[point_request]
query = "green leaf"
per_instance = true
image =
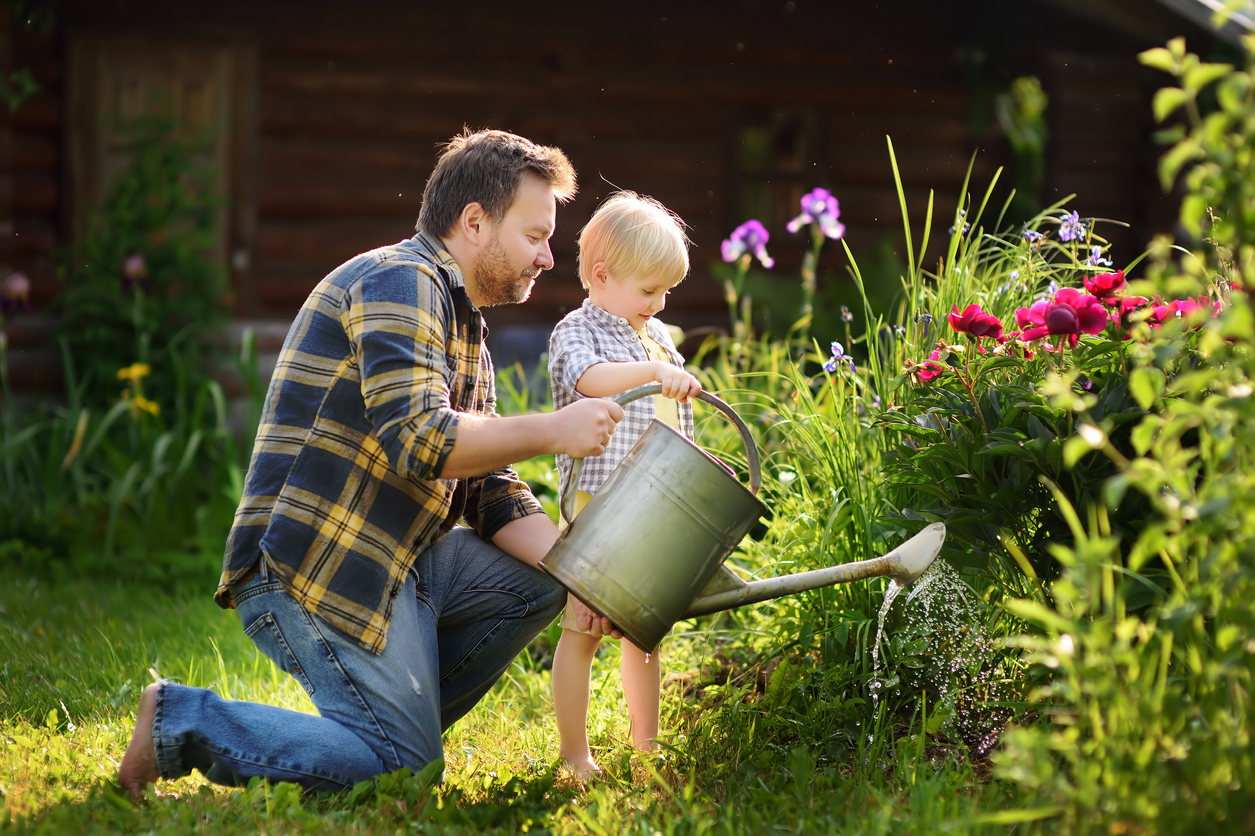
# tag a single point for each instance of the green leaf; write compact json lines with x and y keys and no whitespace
{"x":1177,"y":156}
{"x":1073,"y":449}
{"x":1159,"y":59}
{"x":1147,"y":386}
{"x":1193,"y":208}
{"x":1004,"y":448}
{"x":1168,"y":100}
{"x":1036,"y":613}
{"x":1196,"y":78}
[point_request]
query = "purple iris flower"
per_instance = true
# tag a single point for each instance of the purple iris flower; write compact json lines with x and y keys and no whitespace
{"x":819,"y":207}
{"x":966,"y":225}
{"x":15,"y":293}
{"x":1096,"y":259}
{"x":750,"y":237}
{"x":1070,"y":227}
{"x":838,"y":356}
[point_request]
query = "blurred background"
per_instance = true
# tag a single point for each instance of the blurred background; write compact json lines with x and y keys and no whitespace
{"x":314,"y":125}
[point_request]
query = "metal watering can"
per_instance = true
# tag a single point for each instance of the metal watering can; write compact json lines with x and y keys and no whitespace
{"x":648,"y":548}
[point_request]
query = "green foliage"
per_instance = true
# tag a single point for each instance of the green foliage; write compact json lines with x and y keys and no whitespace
{"x":140,"y":284}
{"x":122,"y":492}
{"x":1150,"y":710}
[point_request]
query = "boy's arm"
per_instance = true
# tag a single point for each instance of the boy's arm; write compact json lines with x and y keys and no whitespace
{"x":606,"y":379}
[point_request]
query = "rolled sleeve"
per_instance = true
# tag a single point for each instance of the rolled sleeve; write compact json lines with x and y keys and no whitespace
{"x":397,"y":332}
{"x":500,"y":497}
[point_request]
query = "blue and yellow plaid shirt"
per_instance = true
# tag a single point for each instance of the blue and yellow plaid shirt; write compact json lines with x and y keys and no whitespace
{"x":362,"y":411}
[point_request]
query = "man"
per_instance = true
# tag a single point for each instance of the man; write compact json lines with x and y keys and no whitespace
{"x":378,"y":434}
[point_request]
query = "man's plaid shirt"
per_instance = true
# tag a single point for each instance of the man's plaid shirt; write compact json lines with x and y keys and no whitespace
{"x":589,"y":335}
{"x":362,"y":411}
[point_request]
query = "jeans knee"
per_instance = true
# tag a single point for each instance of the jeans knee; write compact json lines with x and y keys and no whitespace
{"x":550,"y":603}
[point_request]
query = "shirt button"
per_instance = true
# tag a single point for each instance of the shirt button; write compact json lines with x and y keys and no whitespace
{"x":396,"y":588}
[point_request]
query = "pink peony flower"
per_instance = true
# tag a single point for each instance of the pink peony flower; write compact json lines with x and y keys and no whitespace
{"x":976,"y":322}
{"x":931,"y":368}
{"x":1070,"y":313}
{"x":1105,"y":285}
{"x":1183,"y":308}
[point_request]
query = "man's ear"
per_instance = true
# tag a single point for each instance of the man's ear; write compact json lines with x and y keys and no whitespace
{"x":474,"y":223}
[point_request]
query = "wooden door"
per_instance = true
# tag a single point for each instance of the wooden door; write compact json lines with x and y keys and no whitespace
{"x":204,"y":88}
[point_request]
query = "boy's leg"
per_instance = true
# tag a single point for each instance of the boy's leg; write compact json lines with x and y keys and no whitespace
{"x":572,"y":665}
{"x":642,"y":681}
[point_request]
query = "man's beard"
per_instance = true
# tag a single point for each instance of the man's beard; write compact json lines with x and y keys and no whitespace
{"x":496,"y":280}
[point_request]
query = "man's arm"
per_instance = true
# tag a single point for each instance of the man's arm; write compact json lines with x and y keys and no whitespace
{"x":487,"y":443}
{"x":529,"y":539}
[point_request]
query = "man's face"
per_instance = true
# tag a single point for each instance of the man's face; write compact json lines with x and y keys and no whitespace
{"x":506,"y":267}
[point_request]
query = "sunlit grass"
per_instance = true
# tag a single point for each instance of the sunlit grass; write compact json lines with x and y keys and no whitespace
{"x":83,"y":650}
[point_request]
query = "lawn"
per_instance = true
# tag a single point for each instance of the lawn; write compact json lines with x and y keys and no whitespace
{"x":76,"y":654}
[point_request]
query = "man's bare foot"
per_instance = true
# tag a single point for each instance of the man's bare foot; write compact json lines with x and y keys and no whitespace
{"x":582,"y":769}
{"x":139,"y":764}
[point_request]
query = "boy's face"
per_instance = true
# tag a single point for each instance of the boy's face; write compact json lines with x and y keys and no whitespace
{"x":635,"y":298}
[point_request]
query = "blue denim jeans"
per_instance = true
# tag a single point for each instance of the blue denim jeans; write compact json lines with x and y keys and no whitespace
{"x":461,"y":618}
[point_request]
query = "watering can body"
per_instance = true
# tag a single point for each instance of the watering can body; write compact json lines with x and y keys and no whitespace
{"x":648,"y":548}
{"x":653,"y":535}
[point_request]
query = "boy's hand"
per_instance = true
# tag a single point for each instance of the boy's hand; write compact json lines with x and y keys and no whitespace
{"x":583,"y":429}
{"x":676,"y":382}
{"x":591,"y":622}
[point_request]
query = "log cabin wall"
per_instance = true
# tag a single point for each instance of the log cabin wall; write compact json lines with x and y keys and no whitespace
{"x":721,"y":110}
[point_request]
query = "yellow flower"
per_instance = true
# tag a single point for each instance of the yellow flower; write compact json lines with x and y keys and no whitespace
{"x":134,"y":371}
{"x":139,"y":402}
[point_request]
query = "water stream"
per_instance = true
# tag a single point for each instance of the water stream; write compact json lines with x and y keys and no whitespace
{"x":946,"y":652}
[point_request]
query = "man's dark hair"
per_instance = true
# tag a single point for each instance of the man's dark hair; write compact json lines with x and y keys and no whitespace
{"x":487,"y":167}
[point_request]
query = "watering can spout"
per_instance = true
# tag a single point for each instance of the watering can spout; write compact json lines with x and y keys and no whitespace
{"x":904,"y":565}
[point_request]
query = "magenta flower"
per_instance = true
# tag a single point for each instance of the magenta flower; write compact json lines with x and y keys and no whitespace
{"x":1181,"y":308}
{"x":1105,"y":285}
{"x":15,"y":293}
{"x":976,"y":322}
{"x":750,"y":237}
{"x":1068,"y":314}
{"x":931,"y":368}
{"x":819,"y":207}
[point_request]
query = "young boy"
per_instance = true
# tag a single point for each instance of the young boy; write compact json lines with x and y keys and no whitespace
{"x":631,"y":253}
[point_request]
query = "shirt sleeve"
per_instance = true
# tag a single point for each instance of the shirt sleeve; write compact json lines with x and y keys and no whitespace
{"x":499,"y":497}
{"x":396,"y":320}
{"x":571,"y":351}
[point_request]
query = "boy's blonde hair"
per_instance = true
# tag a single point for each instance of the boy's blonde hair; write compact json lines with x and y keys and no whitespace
{"x":635,"y":236}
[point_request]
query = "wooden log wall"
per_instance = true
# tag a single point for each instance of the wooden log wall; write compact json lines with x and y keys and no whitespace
{"x":348,"y":103}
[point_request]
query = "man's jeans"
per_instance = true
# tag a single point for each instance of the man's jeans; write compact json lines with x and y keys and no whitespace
{"x":473,"y":610}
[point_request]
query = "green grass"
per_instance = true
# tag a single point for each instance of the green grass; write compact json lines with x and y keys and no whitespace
{"x":75,"y":655}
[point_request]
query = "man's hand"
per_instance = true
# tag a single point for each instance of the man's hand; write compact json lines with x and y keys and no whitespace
{"x":589,"y":621}
{"x":676,"y":382}
{"x":583,"y":429}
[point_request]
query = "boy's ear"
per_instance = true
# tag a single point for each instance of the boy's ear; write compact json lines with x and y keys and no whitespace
{"x":600,"y":274}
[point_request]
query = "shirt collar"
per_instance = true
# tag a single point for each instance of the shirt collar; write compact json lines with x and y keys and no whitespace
{"x":431,"y":246}
{"x":608,"y":319}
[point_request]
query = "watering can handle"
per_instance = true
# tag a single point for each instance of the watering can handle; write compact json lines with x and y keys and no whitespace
{"x":624,"y":398}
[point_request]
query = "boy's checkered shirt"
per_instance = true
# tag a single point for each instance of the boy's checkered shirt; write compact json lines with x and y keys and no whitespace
{"x":589,"y":335}
{"x":362,"y":411}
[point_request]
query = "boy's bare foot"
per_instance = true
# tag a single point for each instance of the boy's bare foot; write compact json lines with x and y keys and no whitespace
{"x":582,"y":769}
{"x":139,"y":764}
